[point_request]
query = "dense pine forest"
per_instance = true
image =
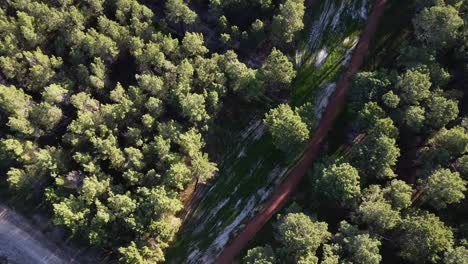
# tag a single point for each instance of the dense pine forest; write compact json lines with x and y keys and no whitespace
{"x":114,"y":114}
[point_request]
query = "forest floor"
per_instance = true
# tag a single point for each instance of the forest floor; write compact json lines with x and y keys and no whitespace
{"x":20,"y":242}
{"x":336,"y":104}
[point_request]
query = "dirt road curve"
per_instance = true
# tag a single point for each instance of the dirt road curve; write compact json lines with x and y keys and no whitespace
{"x":334,"y":107}
{"x":22,"y":244}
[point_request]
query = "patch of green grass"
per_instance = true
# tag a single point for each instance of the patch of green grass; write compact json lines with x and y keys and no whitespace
{"x":310,"y":78}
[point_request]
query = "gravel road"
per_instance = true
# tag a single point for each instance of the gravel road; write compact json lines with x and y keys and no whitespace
{"x":21,"y":243}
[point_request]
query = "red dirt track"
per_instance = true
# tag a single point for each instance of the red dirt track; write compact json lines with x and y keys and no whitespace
{"x":336,"y":104}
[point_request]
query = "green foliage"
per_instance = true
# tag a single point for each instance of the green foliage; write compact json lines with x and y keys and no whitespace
{"x":27,"y":29}
{"x":446,"y":145}
{"x":339,"y":183}
{"x":93,"y":188}
{"x":399,"y":194}
{"x":260,"y":255}
{"x":414,"y":104}
{"x":414,"y":118}
{"x":178,"y":11}
{"x":462,"y":165}
{"x":153,"y":84}
{"x":178,"y":176}
{"x":437,"y":26}
{"x":17,"y":150}
{"x":364,"y":249}
{"x":32,"y":69}
{"x":202,"y":168}
{"x":54,"y":94}
{"x":300,"y":235}
{"x":456,"y":255}
{"x":135,"y":16}
{"x":122,"y":206}
{"x":94,"y":44}
{"x":106,"y":107}
{"x":192,"y":44}
{"x":357,"y":246}
{"x":98,"y":78}
{"x":106,"y":104}
{"x":376,"y":211}
{"x":424,"y":238}
{"x":17,"y":178}
{"x":370,"y":115}
{"x":365,"y":87}
{"x":18,"y":107}
{"x":158,"y":201}
{"x":288,"y":130}
{"x":257,"y":25}
{"x":145,"y":255}
{"x":71,"y":213}
{"x":45,"y":116}
{"x":441,"y":111}
{"x":193,"y":107}
{"x":277,"y":69}
{"x":131,"y":254}
{"x":240,"y":77}
{"x":329,"y":255}
{"x":308,"y":115}
{"x":376,"y":156}
{"x":414,"y":86}
{"x":391,"y":100}
{"x":384,"y":126}
{"x":444,"y":187}
{"x":289,"y":20}
{"x":257,"y":31}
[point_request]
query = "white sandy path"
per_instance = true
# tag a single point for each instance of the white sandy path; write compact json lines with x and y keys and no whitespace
{"x":22,"y":244}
